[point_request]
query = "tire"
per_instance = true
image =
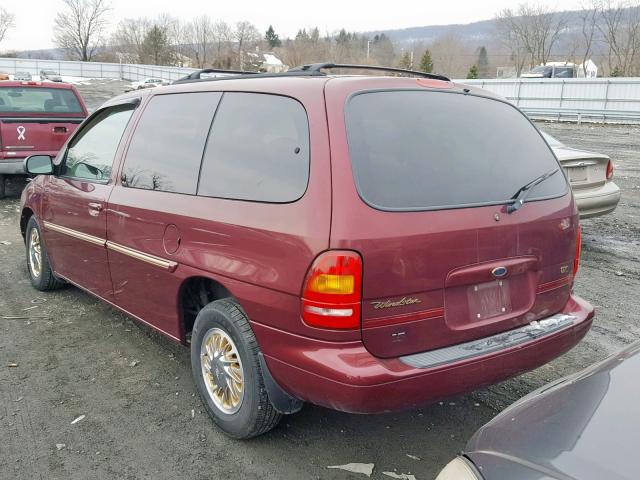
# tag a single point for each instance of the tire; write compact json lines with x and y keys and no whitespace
{"x":254,"y":414}
{"x":42,"y":278}
{"x":3,"y":185}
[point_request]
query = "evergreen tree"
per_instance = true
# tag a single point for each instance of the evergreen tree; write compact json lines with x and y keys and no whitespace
{"x":343,"y":37}
{"x":426,"y":62}
{"x":272,"y":38}
{"x":473,"y":72}
{"x":617,"y":72}
{"x":156,"y":47}
{"x":483,"y":63}
{"x":405,"y":61}
{"x":381,"y":49}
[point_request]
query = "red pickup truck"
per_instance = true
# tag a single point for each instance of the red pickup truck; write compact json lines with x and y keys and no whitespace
{"x":35,"y":118}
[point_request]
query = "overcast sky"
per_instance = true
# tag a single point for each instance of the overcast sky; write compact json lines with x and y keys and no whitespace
{"x":34,"y":18}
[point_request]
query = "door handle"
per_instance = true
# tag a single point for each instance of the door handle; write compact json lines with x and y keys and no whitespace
{"x":95,"y":206}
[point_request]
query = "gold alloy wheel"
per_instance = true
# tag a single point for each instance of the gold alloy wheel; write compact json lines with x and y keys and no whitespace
{"x":35,"y":253}
{"x":222,"y":370}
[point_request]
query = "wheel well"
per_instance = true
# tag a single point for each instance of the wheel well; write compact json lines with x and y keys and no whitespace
{"x":196,"y":292}
{"x":24,"y":219}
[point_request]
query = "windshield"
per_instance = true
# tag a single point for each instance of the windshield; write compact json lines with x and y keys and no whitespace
{"x":426,"y":150}
{"x":563,"y":72}
{"x":38,"y":100}
{"x":543,"y":70}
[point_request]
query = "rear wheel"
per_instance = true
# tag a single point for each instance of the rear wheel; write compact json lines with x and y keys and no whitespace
{"x":3,"y":185}
{"x":226,"y":369}
{"x":40,"y":272}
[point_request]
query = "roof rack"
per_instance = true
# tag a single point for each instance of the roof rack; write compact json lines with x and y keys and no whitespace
{"x":197,"y":74}
{"x":310,"y":70}
{"x":316,"y":68}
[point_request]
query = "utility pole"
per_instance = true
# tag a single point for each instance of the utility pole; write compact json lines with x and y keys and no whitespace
{"x":368,"y":48}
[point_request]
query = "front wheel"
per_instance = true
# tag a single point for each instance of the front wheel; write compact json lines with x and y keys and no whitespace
{"x":226,"y":369}
{"x":40,"y":272}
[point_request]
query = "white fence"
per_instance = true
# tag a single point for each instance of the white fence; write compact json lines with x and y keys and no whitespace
{"x":588,"y":99}
{"x":122,"y":71}
{"x":595,"y":99}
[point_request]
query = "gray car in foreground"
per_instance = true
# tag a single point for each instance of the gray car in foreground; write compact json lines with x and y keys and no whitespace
{"x":590,"y":175}
{"x":585,"y":426}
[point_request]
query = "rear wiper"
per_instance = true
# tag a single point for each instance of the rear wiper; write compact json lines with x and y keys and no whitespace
{"x":523,"y":192}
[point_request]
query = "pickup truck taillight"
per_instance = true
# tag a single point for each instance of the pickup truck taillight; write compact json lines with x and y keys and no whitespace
{"x":331,"y":293}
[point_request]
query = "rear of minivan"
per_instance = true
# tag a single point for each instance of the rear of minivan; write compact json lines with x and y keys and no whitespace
{"x":446,"y":285}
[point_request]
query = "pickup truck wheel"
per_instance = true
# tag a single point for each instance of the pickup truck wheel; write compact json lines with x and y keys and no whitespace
{"x":3,"y":185}
{"x":226,"y":369}
{"x":40,"y":273}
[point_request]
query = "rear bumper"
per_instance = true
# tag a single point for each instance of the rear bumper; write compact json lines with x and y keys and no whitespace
{"x":597,"y":201}
{"x":14,"y":164}
{"x":346,"y":377}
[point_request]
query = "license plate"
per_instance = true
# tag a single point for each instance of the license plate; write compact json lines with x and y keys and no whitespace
{"x":577,"y":174}
{"x":487,"y":300}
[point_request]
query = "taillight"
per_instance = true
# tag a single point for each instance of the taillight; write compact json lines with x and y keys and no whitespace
{"x":576,"y":259}
{"x":331,"y":294}
{"x":609,"y":170}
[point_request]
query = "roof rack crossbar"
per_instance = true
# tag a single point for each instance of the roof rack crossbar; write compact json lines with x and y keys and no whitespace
{"x":197,"y":74}
{"x":316,"y":69}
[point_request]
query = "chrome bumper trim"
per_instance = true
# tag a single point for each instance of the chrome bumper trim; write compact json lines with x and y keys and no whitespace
{"x":143,"y":257}
{"x":492,"y":344}
{"x":75,"y":234}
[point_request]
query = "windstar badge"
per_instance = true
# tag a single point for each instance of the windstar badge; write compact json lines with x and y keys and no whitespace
{"x":398,"y":303}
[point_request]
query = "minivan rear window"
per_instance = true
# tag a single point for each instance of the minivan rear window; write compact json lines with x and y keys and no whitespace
{"x":428,"y":150}
{"x":38,"y":100}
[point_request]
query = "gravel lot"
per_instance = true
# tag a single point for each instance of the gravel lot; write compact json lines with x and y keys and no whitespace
{"x":76,"y":356}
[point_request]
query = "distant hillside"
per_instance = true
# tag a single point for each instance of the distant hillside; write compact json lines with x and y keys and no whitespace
{"x":480,"y":33}
{"x":476,"y":32}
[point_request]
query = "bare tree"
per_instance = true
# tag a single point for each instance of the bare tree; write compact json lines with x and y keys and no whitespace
{"x":6,"y":22}
{"x":155,"y":41}
{"x":80,"y":26}
{"x":530,"y":29}
{"x":588,"y":29}
{"x":199,"y":39}
{"x":129,"y":37}
{"x":222,"y":40}
{"x":620,"y":26}
{"x":246,"y":36}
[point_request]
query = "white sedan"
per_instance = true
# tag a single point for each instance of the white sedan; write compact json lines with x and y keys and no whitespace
{"x":590,"y":175}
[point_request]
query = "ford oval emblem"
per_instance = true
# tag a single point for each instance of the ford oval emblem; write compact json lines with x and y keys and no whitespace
{"x":499,"y":272}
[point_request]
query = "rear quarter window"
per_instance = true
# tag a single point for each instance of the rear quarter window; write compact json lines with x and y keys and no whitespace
{"x":428,"y":150}
{"x":258,"y":149}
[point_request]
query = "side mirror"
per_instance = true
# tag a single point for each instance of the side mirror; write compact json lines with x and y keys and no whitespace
{"x":38,"y":165}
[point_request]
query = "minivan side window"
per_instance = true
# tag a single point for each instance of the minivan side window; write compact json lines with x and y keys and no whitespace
{"x":91,"y":153}
{"x":167,"y":145}
{"x":258,"y":149}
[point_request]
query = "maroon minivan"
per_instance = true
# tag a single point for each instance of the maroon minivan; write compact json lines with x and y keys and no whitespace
{"x":364,"y":243}
{"x":35,"y":118}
